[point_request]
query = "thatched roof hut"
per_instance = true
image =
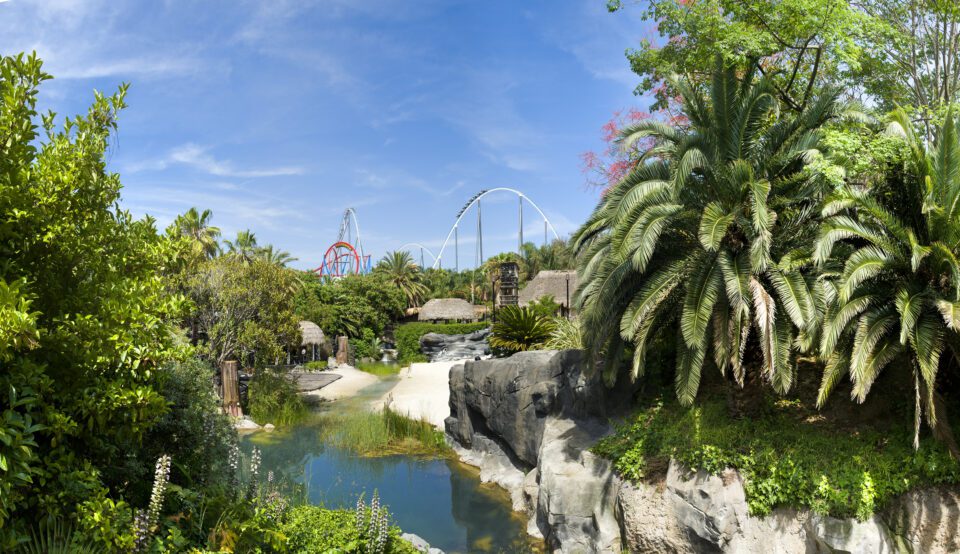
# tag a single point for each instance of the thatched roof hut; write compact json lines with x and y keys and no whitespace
{"x":311,"y":333}
{"x":447,"y":309}
{"x":550,"y":283}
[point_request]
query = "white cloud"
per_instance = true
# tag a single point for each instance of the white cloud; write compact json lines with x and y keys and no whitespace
{"x":196,"y":156}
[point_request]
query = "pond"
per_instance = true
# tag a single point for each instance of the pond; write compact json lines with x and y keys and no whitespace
{"x":441,"y":500}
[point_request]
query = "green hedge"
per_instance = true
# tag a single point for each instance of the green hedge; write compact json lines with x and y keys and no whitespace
{"x":408,"y":337}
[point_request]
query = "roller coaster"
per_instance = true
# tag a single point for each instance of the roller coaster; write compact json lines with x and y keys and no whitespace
{"x":346,"y":256}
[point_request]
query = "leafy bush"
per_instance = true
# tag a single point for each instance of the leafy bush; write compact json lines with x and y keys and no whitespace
{"x":274,"y":398}
{"x":518,"y":329}
{"x":317,"y":365}
{"x":545,"y":306}
{"x":193,"y":432}
{"x":408,"y":335}
{"x":316,"y":529}
{"x":785,"y":459}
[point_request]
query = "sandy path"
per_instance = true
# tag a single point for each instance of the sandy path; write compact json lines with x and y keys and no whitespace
{"x":423,"y":391}
{"x":350,"y":382}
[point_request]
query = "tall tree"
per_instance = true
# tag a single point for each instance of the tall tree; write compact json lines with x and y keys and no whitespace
{"x":400,"y":270}
{"x":698,"y":241}
{"x":196,"y":226}
{"x":274,"y":256}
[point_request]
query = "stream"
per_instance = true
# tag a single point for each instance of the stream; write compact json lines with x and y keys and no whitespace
{"x":441,"y":500}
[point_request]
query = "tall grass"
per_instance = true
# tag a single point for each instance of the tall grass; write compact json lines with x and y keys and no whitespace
{"x":274,"y":398}
{"x":384,"y":433}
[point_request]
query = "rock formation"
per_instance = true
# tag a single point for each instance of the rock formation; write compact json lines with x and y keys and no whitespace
{"x":444,"y":348}
{"x":528,"y":422}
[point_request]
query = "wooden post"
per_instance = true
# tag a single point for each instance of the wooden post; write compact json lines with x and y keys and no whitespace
{"x":231,"y":388}
{"x":343,"y":350}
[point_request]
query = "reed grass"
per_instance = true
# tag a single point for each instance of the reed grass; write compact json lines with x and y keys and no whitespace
{"x":384,"y":433}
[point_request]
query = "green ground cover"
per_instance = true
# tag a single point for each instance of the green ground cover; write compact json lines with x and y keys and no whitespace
{"x":788,"y":457}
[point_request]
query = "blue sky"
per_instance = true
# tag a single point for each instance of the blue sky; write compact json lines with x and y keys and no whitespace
{"x":278,"y":115}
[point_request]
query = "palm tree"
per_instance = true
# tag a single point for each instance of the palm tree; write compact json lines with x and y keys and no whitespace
{"x":244,"y":247}
{"x":276,"y":257}
{"x":196,"y":225}
{"x":896,"y":295}
{"x":400,"y":270}
{"x":698,"y":241}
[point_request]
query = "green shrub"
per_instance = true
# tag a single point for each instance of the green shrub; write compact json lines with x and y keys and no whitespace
{"x":274,"y":398}
{"x":317,"y":365}
{"x":316,"y":529}
{"x":408,"y":335}
{"x":518,"y":329}
{"x":785,"y":460}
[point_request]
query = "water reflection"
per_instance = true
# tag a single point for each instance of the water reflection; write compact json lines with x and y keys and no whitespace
{"x":441,"y":500}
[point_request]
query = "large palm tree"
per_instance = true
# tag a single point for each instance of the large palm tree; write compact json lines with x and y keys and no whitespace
{"x":400,"y":270}
{"x":244,"y":247}
{"x":196,"y":225}
{"x":698,"y":241}
{"x":896,"y":291}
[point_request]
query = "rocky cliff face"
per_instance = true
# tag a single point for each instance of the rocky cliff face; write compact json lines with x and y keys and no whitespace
{"x":528,"y":421}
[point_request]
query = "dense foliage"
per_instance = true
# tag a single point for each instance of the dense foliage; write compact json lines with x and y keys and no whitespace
{"x":700,"y":240}
{"x":244,"y":308}
{"x":398,"y":269}
{"x":83,"y":316}
{"x":359,"y":306}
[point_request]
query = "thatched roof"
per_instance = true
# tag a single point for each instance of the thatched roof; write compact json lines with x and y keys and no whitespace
{"x":311,"y":333}
{"x":550,"y":283}
{"x":446,"y":309}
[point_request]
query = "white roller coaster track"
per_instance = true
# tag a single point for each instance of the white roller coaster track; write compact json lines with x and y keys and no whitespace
{"x":463,"y":212}
{"x":420,"y":246}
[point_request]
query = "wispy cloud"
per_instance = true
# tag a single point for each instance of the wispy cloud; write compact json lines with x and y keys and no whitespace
{"x":197,"y":157}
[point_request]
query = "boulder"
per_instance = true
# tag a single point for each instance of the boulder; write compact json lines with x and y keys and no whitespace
{"x":444,"y":348}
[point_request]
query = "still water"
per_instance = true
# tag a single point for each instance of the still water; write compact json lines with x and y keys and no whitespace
{"x":441,"y":500}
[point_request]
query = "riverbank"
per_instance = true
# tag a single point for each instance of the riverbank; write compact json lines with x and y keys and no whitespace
{"x":350,"y":383}
{"x":433,"y":496}
{"x":422,"y":392}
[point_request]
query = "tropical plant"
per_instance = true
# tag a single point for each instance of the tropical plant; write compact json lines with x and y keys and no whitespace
{"x":518,"y":329}
{"x":204,"y":237}
{"x":244,"y":247}
{"x":897,"y":294}
{"x":274,"y":256}
{"x":400,"y":270}
{"x":566,"y":335}
{"x":699,"y":239}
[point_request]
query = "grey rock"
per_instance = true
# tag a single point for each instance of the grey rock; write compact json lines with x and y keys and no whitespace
{"x":444,"y":348}
{"x":416,"y":541}
{"x":528,"y":422}
{"x":577,"y":491}
{"x":246,"y":424}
